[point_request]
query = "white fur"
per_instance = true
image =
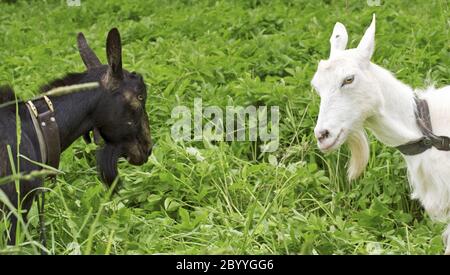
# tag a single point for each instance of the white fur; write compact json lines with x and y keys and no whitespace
{"x":378,"y":101}
{"x":359,"y":149}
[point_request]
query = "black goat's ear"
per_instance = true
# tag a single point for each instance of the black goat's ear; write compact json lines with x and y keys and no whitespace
{"x":6,"y":94}
{"x":114,"y":55}
{"x":88,"y":56}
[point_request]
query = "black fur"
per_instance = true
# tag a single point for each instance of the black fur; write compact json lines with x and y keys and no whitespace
{"x":6,"y":94}
{"x":107,"y":158}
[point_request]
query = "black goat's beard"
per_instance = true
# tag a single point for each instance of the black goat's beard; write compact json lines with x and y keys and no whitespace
{"x":107,"y":158}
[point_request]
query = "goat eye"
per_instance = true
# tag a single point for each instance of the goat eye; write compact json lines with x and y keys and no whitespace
{"x":348,"y":80}
{"x":140,"y":97}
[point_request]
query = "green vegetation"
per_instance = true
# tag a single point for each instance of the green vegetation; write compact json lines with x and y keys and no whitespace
{"x":293,"y":201}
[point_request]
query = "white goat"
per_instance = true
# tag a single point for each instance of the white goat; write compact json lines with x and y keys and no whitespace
{"x":356,"y":93}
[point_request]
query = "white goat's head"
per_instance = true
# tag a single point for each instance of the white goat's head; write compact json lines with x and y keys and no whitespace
{"x":349,"y":95}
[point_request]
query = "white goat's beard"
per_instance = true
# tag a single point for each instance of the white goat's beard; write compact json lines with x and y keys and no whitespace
{"x":359,"y":149}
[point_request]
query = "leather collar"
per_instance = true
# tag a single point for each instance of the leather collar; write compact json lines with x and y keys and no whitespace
{"x":423,"y":120}
{"x":47,"y":132}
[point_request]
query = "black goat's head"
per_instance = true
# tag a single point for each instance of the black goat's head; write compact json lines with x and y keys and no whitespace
{"x":121,"y":118}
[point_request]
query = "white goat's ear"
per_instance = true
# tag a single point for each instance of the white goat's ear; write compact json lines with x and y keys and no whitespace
{"x":338,"y":39}
{"x":367,"y":44}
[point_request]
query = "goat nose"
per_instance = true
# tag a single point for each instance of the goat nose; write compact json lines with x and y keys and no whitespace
{"x":321,"y":134}
{"x":150,"y":150}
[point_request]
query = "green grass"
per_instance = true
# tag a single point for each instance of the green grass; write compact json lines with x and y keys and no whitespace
{"x":293,"y":201}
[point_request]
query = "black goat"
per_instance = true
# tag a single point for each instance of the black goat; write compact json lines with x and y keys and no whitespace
{"x":115,"y":110}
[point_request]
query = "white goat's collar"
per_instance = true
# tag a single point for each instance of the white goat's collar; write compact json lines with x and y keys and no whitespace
{"x":429,"y":139}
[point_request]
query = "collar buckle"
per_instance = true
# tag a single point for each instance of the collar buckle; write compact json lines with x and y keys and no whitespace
{"x":49,"y":103}
{"x":427,"y":141}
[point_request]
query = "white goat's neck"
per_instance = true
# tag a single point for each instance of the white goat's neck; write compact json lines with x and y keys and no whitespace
{"x":394,"y":123}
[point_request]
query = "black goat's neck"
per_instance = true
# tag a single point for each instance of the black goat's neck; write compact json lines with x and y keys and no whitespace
{"x":74,"y":114}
